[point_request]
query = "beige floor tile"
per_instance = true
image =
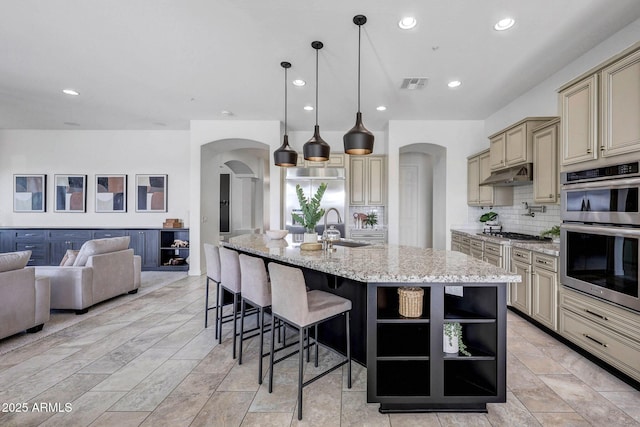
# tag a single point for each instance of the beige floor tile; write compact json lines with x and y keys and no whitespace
{"x":540,"y":364}
{"x":414,"y":420}
{"x":628,"y":401}
{"x":284,"y":395}
{"x":120,"y":419}
{"x":86,"y":409}
{"x":357,"y":412}
{"x":321,"y":403}
{"x":511,"y":413}
{"x":519,"y":377}
{"x":557,"y":419}
{"x":460,"y":419}
{"x":267,"y":420}
{"x":224,"y":409}
{"x":542,"y":399}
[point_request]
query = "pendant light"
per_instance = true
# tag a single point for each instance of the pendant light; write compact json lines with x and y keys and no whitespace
{"x":358,"y":140}
{"x":316,"y":149}
{"x":285,"y":156}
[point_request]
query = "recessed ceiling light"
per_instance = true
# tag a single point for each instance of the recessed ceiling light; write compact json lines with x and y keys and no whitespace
{"x":71,"y":92}
{"x":72,"y":124}
{"x":381,"y":108}
{"x":454,"y":83}
{"x":299,"y":82}
{"x":308,"y":108}
{"x":407,"y":23}
{"x":504,"y":24}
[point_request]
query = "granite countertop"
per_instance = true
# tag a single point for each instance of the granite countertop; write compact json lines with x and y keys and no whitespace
{"x":545,"y":248}
{"x":378,"y":263}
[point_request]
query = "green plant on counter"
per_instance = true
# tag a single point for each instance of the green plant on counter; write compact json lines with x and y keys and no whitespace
{"x":552,"y":232}
{"x":453,"y":330}
{"x":371,"y":219}
{"x":311,"y":211}
{"x":489,"y":216}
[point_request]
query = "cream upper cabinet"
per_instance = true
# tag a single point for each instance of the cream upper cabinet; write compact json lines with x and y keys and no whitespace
{"x":579,"y":112}
{"x":600,"y":113}
{"x":336,"y":160}
{"x":496,"y":148}
{"x":621,"y":106}
{"x":514,"y":146}
{"x":479,"y":169}
{"x":545,"y":163}
{"x":367,"y":180}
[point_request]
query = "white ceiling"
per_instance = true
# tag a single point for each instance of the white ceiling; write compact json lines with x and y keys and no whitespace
{"x":156,"y":64}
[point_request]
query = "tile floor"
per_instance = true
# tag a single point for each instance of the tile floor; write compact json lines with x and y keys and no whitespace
{"x":150,"y":362}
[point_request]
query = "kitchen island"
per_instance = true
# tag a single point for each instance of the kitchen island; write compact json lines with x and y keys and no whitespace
{"x":407,"y":369}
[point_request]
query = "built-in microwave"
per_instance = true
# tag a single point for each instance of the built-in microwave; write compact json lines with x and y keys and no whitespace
{"x":593,"y":197}
{"x":601,"y":261}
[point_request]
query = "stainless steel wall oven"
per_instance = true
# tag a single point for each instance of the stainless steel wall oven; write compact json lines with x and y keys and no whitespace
{"x":600,"y":233}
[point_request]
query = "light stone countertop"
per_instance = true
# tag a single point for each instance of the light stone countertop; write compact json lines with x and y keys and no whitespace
{"x":545,"y":248}
{"x":378,"y":263}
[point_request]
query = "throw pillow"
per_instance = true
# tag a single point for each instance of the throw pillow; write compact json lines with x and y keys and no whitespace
{"x":14,"y":260}
{"x":69,"y":258}
{"x":100,"y":246}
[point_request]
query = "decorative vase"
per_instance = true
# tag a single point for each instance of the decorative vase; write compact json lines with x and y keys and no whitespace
{"x":310,"y":237}
{"x":450,"y":345}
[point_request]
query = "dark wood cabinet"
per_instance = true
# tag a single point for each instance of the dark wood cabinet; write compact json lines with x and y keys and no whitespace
{"x":48,"y":246}
{"x":407,"y":367}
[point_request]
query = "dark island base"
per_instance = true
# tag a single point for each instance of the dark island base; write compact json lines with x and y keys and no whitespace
{"x":391,"y":408}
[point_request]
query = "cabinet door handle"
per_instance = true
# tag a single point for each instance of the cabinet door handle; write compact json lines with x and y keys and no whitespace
{"x":29,"y":246}
{"x":543,"y":262}
{"x":550,"y":196}
{"x":596,"y":314}
{"x":595,"y":340}
{"x":602,"y":148}
{"x":588,"y":150}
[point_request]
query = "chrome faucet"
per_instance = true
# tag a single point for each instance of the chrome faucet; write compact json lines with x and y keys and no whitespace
{"x":327,"y":244}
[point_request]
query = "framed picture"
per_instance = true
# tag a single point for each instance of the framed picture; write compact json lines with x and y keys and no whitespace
{"x":29,"y":193}
{"x":111,"y":193}
{"x":151,"y":193}
{"x":70,"y":193}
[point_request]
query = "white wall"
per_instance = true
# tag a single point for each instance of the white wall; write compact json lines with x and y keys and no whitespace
{"x":460,"y":139}
{"x":90,"y":153}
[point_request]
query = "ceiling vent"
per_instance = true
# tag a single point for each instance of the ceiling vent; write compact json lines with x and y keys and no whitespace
{"x":413,"y":83}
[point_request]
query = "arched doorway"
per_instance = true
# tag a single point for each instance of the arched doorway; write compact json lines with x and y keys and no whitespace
{"x":422,"y":198}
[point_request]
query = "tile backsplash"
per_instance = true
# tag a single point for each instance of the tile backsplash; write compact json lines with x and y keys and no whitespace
{"x":513,"y":219}
{"x":378,"y":210}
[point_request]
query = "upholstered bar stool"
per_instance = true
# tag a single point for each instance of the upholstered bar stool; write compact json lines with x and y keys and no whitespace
{"x":230,"y":282}
{"x":256,"y":291}
{"x":291,"y":303}
{"x":212,"y":257}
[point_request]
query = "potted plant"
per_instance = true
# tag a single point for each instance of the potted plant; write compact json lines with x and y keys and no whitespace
{"x":311,"y":212}
{"x":371,"y":219}
{"x":553,"y":232}
{"x":452,"y":339}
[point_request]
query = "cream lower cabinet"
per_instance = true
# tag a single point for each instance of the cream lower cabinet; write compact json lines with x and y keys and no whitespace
{"x":544,"y":290}
{"x":520,"y":293}
{"x":545,"y":163}
{"x":607,"y":331}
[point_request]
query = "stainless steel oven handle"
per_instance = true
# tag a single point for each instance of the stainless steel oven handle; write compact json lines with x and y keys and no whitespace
{"x":608,"y":231}
{"x":604,"y":184}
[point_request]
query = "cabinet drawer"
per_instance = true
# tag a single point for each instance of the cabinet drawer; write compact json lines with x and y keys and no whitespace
{"x":607,"y":315}
{"x":30,"y":235}
{"x":547,"y":262}
{"x":494,"y":249}
{"x":618,"y":350}
{"x":476,"y":244}
{"x":521,"y":255}
{"x":104,"y":234}
{"x":455,"y":237}
{"x":70,"y":234}
{"x":34,"y":247}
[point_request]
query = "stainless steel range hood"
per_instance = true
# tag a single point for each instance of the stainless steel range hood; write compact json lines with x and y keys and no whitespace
{"x":517,"y":175}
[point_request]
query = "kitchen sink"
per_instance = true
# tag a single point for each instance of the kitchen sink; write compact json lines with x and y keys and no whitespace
{"x":350,"y":244}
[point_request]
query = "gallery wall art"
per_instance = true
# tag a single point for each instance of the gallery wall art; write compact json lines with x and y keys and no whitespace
{"x":111,"y":193}
{"x":29,"y":193}
{"x":151,"y":193}
{"x":70,"y":193}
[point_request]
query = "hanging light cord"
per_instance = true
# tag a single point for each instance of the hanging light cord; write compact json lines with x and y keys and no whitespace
{"x":285,"y":101}
{"x":359,"y":31}
{"x":317,"y":87}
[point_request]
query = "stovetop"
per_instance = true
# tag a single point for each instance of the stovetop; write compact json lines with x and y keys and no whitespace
{"x":518,"y":236}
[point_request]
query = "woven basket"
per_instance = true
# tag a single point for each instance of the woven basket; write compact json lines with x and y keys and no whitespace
{"x":410,"y":301}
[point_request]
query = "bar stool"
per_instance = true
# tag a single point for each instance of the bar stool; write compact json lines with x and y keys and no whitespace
{"x":230,"y":282}
{"x":256,"y":291}
{"x":212,"y":257}
{"x":292,"y":304}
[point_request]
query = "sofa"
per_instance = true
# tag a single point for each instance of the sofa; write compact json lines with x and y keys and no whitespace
{"x":100,"y":270}
{"x":24,"y":298}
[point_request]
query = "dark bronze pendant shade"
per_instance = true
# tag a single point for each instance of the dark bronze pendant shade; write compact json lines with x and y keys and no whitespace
{"x":316,"y":149}
{"x":285,"y":156}
{"x":358,"y":141}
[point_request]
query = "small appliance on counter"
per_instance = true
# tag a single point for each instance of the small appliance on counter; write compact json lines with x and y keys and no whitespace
{"x":490,"y":223}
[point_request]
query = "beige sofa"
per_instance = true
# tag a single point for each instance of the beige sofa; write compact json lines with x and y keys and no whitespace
{"x":102,"y":269}
{"x":24,"y":298}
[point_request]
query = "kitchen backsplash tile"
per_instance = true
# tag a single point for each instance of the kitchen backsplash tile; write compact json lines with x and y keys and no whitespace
{"x":379,"y":210}
{"x":513,"y":219}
